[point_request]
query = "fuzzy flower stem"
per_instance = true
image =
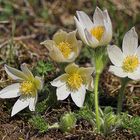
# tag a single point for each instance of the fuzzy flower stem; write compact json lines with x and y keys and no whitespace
{"x":121,"y":95}
{"x":96,"y":101}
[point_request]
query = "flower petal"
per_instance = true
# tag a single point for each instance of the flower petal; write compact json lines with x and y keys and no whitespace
{"x":107,"y":18}
{"x":54,"y":52}
{"x":14,"y":73}
{"x":75,"y":45}
{"x":33,"y":101}
{"x":59,"y":81}
{"x":11,"y":91}
{"x":79,"y":96}
{"x":62,"y":92}
{"x":107,"y":35}
{"x":90,"y":84}
{"x":20,"y":104}
{"x":115,"y":54}
{"x":81,"y":32}
{"x":84,"y":20}
{"x":130,"y":42}
{"x":92,"y":41}
{"x":98,"y":16}
{"x":39,"y":82}
{"x":86,"y":71}
{"x":71,"y":37}
{"x":26,"y":71}
{"x":86,"y":74}
{"x":138,"y":52}
{"x":60,"y":36}
{"x":135,"y":75}
{"x":49,"y":44}
{"x":71,"y":68}
{"x":117,"y":71}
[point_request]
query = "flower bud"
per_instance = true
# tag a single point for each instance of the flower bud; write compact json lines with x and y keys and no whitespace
{"x":67,"y":122}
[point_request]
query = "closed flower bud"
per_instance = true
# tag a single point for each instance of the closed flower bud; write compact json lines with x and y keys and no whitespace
{"x":67,"y":122}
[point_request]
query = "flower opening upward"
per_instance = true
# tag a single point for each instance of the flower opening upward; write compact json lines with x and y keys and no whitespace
{"x":74,"y":82}
{"x":26,"y":87}
{"x":64,"y":47}
{"x":96,"y":33}
{"x":126,"y":62}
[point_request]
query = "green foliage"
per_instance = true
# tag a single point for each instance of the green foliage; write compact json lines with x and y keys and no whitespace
{"x":39,"y":123}
{"x":67,"y":122}
{"x":48,"y":101}
{"x":87,"y":114}
{"x":41,"y":106}
{"x":43,"y":68}
{"x":108,"y":120}
{"x":44,"y":13}
{"x":132,"y":123}
{"x":7,"y":10}
{"x":89,"y":100}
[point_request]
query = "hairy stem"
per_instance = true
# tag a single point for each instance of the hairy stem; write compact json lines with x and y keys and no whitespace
{"x":96,"y":101}
{"x":121,"y":95}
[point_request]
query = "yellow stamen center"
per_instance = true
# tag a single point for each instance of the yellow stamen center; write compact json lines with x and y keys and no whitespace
{"x":74,"y":81}
{"x":65,"y":48}
{"x":97,"y":32}
{"x":27,"y":88}
{"x":130,"y":63}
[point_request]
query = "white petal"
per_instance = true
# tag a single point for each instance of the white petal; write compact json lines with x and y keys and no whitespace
{"x":81,"y":32}
{"x":72,"y":57}
{"x":130,"y":42}
{"x":59,"y":81}
{"x":138,"y":52}
{"x":117,"y":71}
{"x":62,"y":92}
{"x":84,"y":20}
{"x":98,"y":16}
{"x":11,"y":91}
{"x":107,"y":18}
{"x":26,"y":71}
{"x":79,"y":96}
{"x":14,"y":73}
{"x":20,"y":104}
{"x":135,"y":75}
{"x":107,"y":35}
{"x":40,"y":82}
{"x":71,"y":68}
{"x":115,"y":54}
{"x":33,"y":101}
{"x":92,"y":41}
{"x":90,"y":84}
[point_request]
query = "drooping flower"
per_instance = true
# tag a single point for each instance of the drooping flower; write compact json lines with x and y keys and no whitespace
{"x":64,"y":47}
{"x":26,"y":87}
{"x":74,"y":82}
{"x":96,"y":33}
{"x":126,"y":62}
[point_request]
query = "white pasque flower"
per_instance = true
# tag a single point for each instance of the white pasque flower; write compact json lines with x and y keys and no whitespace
{"x":126,"y":62}
{"x":64,"y":47}
{"x":96,"y":33}
{"x":26,"y":87}
{"x":74,"y":82}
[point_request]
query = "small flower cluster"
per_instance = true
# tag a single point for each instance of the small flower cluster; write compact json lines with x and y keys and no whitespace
{"x":64,"y":47}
